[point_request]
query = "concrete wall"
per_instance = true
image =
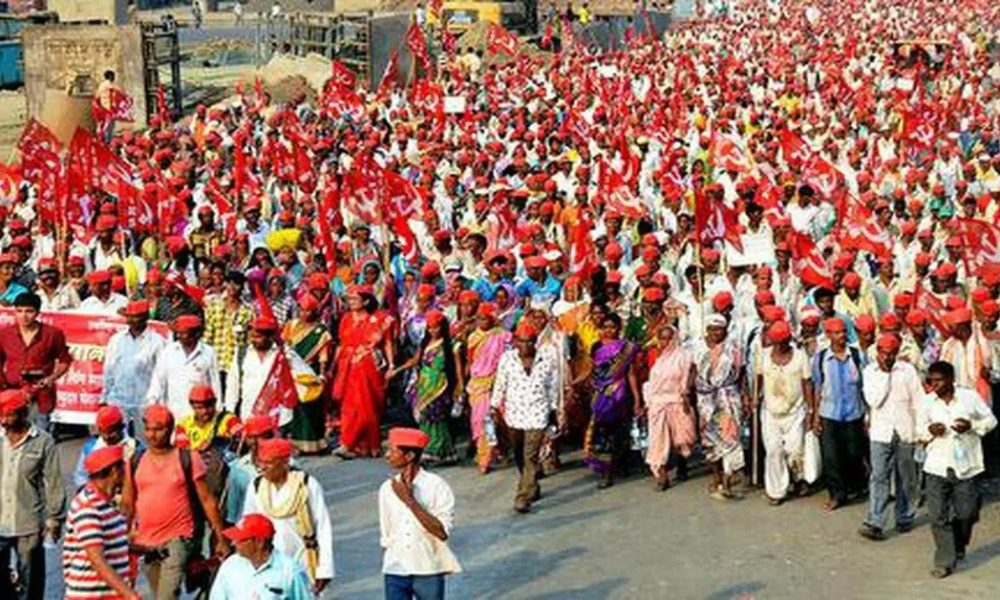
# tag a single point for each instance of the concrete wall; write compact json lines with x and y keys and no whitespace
{"x":110,"y":11}
{"x":56,"y":56}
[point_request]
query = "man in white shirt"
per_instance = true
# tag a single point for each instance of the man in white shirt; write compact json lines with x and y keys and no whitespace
{"x":952,"y":421}
{"x":181,"y":365}
{"x":892,"y":390}
{"x":524,"y":396}
{"x":129,"y":360}
{"x":416,"y":511}
{"x":294,"y":502}
{"x":251,"y":366}
{"x":55,"y":295}
{"x":102,"y":301}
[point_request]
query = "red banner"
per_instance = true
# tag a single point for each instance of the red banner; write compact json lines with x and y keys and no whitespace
{"x":78,"y":392}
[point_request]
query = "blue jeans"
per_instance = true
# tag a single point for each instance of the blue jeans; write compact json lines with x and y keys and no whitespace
{"x":894,"y":459}
{"x":414,"y":587}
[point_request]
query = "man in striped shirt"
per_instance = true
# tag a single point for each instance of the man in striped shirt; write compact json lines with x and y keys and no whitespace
{"x":95,"y":554}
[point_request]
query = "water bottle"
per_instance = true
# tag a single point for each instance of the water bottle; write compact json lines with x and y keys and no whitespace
{"x":961,"y":456}
{"x":490,"y":431}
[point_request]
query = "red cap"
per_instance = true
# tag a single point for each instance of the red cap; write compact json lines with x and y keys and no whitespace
{"x":945,"y":270}
{"x":772,"y":313}
{"x":888,"y":341}
{"x":889,"y":321}
{"x":187,"y":323}
{"x":308,"y":302}
{"x":487,"y":309}
{"x":430,"y":269}
{"x":653,"y":294}
{"x":434,"y":318}
{"x":903,"y":300}
{"x":779,"y":331}
{"x":408,"y":437}
{"x":274,"y":448}
{"x":526,"y":329}
{"x":980,"y":294}
{"x":252,"y":527}
{"x":990,"y":308}
{"x":109,"y":417}
{"x":468,"y":296}
{"x":102,"y":458}
{"x":136,"y":308}
{"x":613,"y":277}
{"x":258,"y":425}
{"x":614,"y":251}
{"x":865,"y":323}
{"x":96,"y":277}
{"x":722,"y":301}
{"x":157,"y":414}
{"x":535,"y":262}
{"x":426,"y":290}
{"x":834,"y":324}
{"x":810,"y":316}
{"x":47,"y":264}
{"x":175,"y":244}
{"x":923,"y":259}
{"x":264,"y":323}
{"x":11,"y":400}
{"x":852,"y":281}
{"x":764,"y":297}
{"x":201,"y":393}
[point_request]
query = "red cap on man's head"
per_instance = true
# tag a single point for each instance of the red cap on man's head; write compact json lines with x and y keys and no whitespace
{"x":958,"y":316}
{"x":102,"y":458}
{"x":157,"y":414}
{"x":254,"y":526}
{"x":865,"y":323}
{"x":186,"y":323}
{"x":258,"y":425}
{"x":889,"y":321}
{"x":109,"y":417}
{"x":408,"y":437}
{"x":852,"y":281}
{"x":136,"y":308}
{"x":276,"y":448}
{"x":916,"y":317}
{"x":11,"y":400}
{"x":98,"y":277}
{"x":779,"y":331}
{"x":888,"y":341}
{"x":834,"y":324}
{"x":722,"y":301}
{"x":772,"y":313}
{"x":264,"y":323}
{"x":903,"y":300}
{"x":201,"y":393}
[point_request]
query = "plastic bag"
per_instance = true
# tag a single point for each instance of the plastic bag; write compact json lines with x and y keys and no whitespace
{"x":813,"y":460}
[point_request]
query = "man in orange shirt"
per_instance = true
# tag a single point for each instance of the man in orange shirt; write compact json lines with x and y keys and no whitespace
{"x":169,"y":501}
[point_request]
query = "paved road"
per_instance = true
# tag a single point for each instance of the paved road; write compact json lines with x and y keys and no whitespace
{"x":632,"y":542}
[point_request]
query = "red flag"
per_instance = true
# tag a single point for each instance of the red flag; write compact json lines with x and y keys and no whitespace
{"x":617,"y":194}
{"x":630,"y":162}
{"x":583,"y":253}
{"x":389,"y":76}
{"x":279,"y":390}
{"x":417,"y":44}
{"x":339,"y":101}
{"x":501,"y":41}
{"x":120,"y":108}
{"x":768,"y":194}
{"x":449,"y":42}
{"x":362,"y":190}
{"x":794,"y":149}
{"x":546,"y":42}
{"x":932,"y":306}
{"x":728,"y":155}
{"x":304,"y":174}
{"x":343,"y":76}
{"x":823,"y":176}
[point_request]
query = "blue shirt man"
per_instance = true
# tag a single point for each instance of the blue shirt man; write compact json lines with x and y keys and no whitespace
{"x":257,"y":570}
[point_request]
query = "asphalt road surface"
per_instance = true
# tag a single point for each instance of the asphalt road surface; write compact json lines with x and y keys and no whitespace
{"x":632,"y":542}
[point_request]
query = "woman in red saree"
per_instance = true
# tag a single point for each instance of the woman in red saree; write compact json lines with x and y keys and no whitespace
{"x":364,"y":355}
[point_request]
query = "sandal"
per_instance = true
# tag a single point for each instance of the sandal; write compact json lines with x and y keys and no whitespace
{"x":831,"y":505}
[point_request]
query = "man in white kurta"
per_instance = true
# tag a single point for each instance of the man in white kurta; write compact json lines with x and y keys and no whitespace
{"x":294,"y":502}
{"x":181,"y":365}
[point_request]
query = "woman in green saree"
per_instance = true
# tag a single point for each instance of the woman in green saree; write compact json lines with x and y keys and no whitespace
{"x":311,"y":340}
{"x":438,"y":380}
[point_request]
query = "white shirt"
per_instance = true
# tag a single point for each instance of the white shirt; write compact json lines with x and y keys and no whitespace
{"x":110,"y":307}
{"x":892,"y":398}
{"x":255,"y":371}
{"x":409,"y":548}
{"x":963,"y":452}
{"x":286,"y":538}
{"x":176,"y":372}
{"x":129,"y":362}
{"x":64,"y":298}
{"x":527,"y":399}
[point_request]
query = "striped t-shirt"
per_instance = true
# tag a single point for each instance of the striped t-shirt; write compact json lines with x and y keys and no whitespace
{"x":93,"y":520}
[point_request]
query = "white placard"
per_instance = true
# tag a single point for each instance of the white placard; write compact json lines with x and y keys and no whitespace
{"x":454,"y":105}
{"x":607,"y":71}
{"x":758,"y":249}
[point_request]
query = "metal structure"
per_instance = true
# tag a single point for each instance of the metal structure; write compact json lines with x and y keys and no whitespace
{"x":361,"y":41}
{"x":160,"y":46}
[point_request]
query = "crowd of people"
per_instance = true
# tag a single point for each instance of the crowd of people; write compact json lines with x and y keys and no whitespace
{"x":766,"y":239}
